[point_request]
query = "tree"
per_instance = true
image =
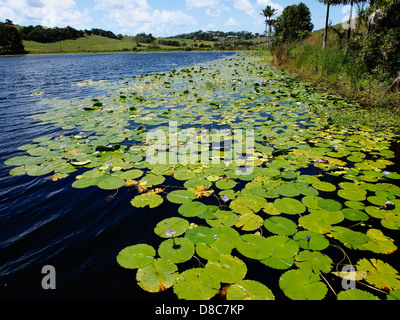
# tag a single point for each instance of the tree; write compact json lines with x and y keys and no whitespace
{"x":328,"y":4}
{"x":294,"y":23}
{"x":10,"y":39}
{"x":268,"y":13}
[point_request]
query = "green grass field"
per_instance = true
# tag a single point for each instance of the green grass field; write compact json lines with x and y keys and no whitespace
{"x":92,"y":44}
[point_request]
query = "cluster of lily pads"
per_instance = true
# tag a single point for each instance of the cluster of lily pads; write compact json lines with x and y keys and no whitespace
{"x":314,"y":183}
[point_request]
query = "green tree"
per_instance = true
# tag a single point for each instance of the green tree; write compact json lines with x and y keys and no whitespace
{"x":268,"y":13}
{"x":294,"y":23}
{"x":10,"y":39}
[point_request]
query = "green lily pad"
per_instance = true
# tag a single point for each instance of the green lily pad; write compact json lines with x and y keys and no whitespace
{"x":176,"y":250}
{"x":302,"y":284}
{"x":214,"y":250}
{"x":280,"y":225}
{"x":158,"y":276}
{"x":254,"y":246}
{"x":192,"y":209}
{"x":171,"y":227}
{"x":249,"y":221}
{"x":354,"y":215}
{"x":356,"y":294}
{"x":136,"y":256}
{"x":248,"y":203}
{"x":201,"y":234}
{"x":311,"y":240}
{"x":147,"y":199}
{"x":195,"y":284}
{"x":314,"y":261}
{"x":225,"y":184}
{"x":324,"y":186}
{"x":280,"y":264}
{"x":249,"y":290}
{"x":227,"y":269}
{"x":181,"y":196}
{"x":380,"y":274}
{"x":289,"y":205}
{"x":351,"y":239}
{"x":131,"y":174}
{"x":330,"y":204}
{"x":282,"y":247}
{"x":110,"y":182}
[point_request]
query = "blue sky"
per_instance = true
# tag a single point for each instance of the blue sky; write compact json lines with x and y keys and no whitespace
{"x":159,"y":17}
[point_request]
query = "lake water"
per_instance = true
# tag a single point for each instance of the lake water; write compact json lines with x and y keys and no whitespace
{"x":44,"y":223}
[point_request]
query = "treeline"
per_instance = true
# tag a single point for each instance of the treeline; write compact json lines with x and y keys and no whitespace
{"x":48,"y":35}
{"x":216,"y":35}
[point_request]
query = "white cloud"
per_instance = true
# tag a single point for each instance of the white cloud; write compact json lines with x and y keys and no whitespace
{"x":265,"y":3}
{"x":202,"y":3}
{"x":135,"y":16}
{"x":231,"y":22}
{"x":48,"y":13}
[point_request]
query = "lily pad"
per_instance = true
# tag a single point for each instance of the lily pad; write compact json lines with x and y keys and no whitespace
{"x":225,"y":184}
{"x":356,"y":294}
{"x":201,"y":234}
{"x":282,"y":247}
{"x":281,"y":226}
{"x":181,"y":196}
{"x":176,"y":250}
{"x":380,"y":274}
{"x":314,"y":261}
{"x":302,"y":284}
{"x":110,"y":182}
{"x":249,"y":290}
{"x":227,"y":269}
{"x":192,"y":209}
{"x":254,"y":246}
{"x":158,"y":276}
{"x":136,"y":256}
{"x":171,"y":227}
{"x":147,"y":199}
{"x":195,"y":284}
{"x":289,"y":205}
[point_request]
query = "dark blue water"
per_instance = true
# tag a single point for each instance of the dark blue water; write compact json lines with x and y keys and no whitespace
{"x":49,"y":223}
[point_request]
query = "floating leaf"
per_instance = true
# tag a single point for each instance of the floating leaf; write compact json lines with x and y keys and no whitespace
{"x":225,"y":184}
{"x":356,"y":294}
{"x":289,"y":205}
{"x":351,"y":239}
{"x":302,"y":284}
{"x":176,"y":250}
{"x":380,"y":274}
{"x":314,"y":261}
{"x":195,"y":284}
{"x":254,"y":246}
{"x":201,"y":234}
{"x":330,"y":204}
{"x":324,"y":186}
{"x":214,"y":250}
{"x":147,"y":199}
{"x":379,"y":243}
{"x":249,"y":222}
{"x":280,"y":225}
{"x":248,"y":203}
{"x":280,"y":264}
{"x":110,"y":182}
{"x":227,"y":269}
{"x":192,"y":209}
{"x":354,"y":215}
{"x":310,"y":240}
{"x":158,"y":276}
{"x":178,"y":225}
{"x":249,"y":290}
{"x":136,"y":256}
{"x":181,"y":196}
{"x":282,"y":247}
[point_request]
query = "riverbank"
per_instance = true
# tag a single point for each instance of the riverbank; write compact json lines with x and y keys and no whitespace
{"x":98,"y":44}
{"x":337,"y":71}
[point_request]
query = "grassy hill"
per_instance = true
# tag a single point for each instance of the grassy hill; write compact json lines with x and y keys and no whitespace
{"x":92,"y":44}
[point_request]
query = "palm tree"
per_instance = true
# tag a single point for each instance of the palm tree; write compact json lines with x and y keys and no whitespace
{"x":328,"y":4}
{"x":268,"y":13}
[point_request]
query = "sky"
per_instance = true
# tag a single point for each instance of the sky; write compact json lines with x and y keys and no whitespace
{"x":161,"y":18}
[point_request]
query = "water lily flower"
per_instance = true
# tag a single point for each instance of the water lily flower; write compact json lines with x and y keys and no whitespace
{"x":225,"y":198}
{"x":386,"y":173}
{"x":63,"y":146}
{"x":96,"y":152}
{"x":57,"y":138}
{"x":335,"y":146}
{"x":170,"y":233}
{"x":108,"y":164}
{"x":319,"y":160}
{"x":308,"y":238}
